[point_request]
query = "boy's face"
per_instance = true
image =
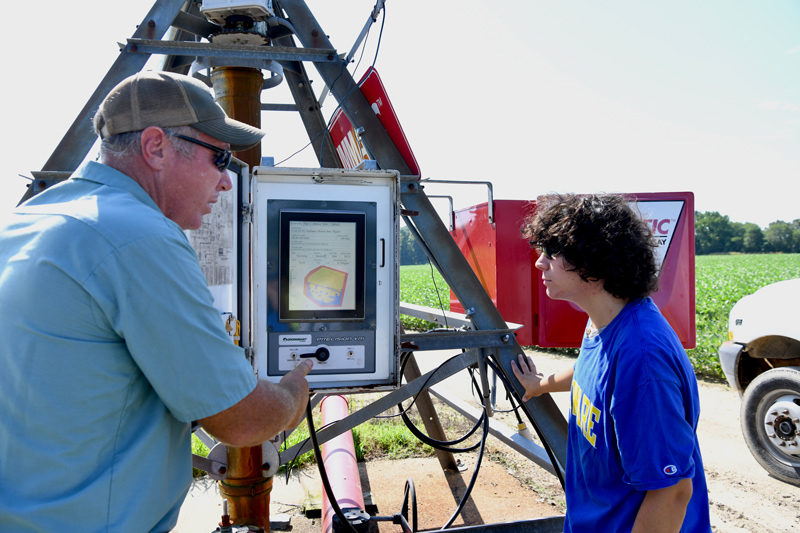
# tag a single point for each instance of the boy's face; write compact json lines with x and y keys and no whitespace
{"x":562,"y":282}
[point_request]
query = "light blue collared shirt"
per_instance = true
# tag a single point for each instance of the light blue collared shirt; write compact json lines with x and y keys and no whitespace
{"x":109,"y":347}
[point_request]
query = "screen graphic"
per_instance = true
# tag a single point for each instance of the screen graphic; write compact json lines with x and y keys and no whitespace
{"x":322,"y":257}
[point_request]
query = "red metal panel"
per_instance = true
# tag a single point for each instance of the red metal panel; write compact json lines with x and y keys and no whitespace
{"x":476,"y":239}
{"x":503,"y":261}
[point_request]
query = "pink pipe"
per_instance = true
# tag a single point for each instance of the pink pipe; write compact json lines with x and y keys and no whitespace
{"x":339,"y":458}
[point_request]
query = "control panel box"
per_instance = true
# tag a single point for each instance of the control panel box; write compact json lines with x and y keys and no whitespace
{"x":324,"y":272}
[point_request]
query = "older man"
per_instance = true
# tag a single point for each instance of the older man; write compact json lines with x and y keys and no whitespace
{"x":109,"y":343}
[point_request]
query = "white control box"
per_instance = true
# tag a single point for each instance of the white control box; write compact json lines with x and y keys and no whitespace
{"x":325,"y":276}
{"x":218,"y":11}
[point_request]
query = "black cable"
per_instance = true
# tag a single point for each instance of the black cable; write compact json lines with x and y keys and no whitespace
{"x":349,"y":92}
{"x":433,"y":443}
{"x":439,"y":296}
{"x":484,"y":421}
{"x":297,"y":454}
{"x":440,"y":445}
{"x":410,"y":497}
{"x":536,"y":428}
{"x":405,"y":356}
{"x":474,"y":474}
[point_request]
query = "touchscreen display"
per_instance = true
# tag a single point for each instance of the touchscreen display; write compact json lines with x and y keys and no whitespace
{"x":322,"y":265}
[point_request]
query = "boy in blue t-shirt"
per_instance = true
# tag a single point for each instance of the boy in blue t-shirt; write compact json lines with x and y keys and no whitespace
{"x":633,"y":459}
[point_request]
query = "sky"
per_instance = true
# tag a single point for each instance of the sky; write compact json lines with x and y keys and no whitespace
{"x":535,"y":96}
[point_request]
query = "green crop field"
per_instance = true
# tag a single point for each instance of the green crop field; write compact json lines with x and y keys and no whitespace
{"x":720,"y":280}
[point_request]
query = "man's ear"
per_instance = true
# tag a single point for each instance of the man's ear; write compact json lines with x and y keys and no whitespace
{"x":154,"y":147}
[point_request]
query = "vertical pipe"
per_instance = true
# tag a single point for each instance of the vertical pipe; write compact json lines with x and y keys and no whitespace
{"x":339,"y":460}
{"x":238,"y":91}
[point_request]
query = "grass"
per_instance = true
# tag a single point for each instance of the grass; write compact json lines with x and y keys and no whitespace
{"x":198,"y":448}
{"x":377,"y":438}
{"x":423,"y":285}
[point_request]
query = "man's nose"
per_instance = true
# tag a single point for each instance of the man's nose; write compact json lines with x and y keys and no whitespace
{"x":225,"y":183}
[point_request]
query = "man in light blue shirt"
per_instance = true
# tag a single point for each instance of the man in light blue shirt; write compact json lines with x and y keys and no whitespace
{"x":109,"y":342}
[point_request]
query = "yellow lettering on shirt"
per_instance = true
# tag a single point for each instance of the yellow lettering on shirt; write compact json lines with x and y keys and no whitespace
{"x":586,"y":414}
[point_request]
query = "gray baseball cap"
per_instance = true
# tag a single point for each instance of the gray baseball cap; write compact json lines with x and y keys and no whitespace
{"x":168,"y":100}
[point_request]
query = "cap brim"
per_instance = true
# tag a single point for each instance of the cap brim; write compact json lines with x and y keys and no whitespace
{"x":239,"y":135}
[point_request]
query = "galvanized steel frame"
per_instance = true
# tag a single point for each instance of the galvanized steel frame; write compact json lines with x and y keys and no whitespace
{"x":490,"y":330}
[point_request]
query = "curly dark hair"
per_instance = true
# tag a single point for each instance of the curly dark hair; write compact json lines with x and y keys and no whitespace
{"x":601,"y":236}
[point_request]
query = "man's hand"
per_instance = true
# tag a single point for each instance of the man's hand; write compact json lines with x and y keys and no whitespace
{"x":265,"y":412}
{"x":295,"y":383}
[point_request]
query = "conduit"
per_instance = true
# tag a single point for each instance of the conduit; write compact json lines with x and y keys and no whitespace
{"x":339,"y":460}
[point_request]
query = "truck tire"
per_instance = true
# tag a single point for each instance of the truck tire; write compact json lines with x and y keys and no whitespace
{"x":771,"y":422}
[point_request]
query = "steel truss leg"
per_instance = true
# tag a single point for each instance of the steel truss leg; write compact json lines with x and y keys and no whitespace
{"x":541,"y":411}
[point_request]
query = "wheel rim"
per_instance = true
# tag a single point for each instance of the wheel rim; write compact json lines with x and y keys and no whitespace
{"x":780,"y":413}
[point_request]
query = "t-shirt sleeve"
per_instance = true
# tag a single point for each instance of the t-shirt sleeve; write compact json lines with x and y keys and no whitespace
{"x":154,"y":295}
{"x":655,"y":440}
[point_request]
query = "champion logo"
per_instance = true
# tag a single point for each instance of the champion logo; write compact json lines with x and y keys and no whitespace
{"x":670,"y":470}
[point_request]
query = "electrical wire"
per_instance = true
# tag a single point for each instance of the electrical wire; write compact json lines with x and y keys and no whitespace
{"x":439,"y":296}
{"x":297,"y":454}
{"x":472,"y":480}
{"x":443,"y":445}
{"x":440,"y":445}
{"x":536,"y":428}
{"x":405,"y":356}
{"x":349,"y":92}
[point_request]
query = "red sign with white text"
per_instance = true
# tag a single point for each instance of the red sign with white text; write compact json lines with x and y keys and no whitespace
{"x":349,"y":147}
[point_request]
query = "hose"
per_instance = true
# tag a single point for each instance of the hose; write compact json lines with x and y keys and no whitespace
{"x":326,"y":484}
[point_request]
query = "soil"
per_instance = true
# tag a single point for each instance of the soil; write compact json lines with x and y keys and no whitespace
{"x":743,"y":496}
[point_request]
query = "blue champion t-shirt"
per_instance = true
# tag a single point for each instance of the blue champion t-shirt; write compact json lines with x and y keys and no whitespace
{"x":632,"y":424}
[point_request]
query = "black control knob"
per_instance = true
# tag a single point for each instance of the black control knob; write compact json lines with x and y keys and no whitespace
{"x":322,"y":354}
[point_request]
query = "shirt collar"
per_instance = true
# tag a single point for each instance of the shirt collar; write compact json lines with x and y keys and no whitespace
{"x":111,"y":177}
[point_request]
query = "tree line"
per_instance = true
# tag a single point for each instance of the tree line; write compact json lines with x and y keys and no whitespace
{"x":409,"y":249}
{"x":715,"y":234}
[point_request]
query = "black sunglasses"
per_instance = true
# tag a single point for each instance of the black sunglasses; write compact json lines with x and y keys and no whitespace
{"x":545,"y":250}
{"x":223,"y":158}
